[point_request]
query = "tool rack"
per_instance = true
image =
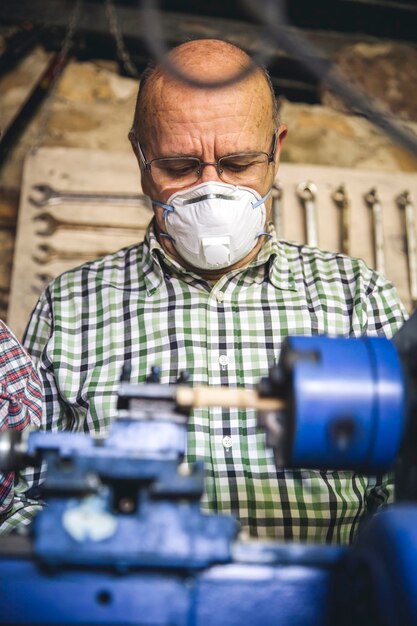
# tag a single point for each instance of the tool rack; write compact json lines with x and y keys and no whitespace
{"x":47,"y":244}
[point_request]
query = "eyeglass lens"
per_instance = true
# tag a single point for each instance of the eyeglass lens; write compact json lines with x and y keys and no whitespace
{"x":238,"y":168}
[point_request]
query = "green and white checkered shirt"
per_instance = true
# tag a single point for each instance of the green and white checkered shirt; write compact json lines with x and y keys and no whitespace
{"x":138,"y":305}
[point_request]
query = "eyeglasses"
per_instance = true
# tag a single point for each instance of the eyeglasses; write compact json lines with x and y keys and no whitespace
{"x":242,"y":168}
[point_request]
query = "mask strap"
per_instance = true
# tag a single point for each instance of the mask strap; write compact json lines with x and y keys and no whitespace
{"x":261,"y":200}
{"x":263,"y":233}
{"x":162,"y":234}
{"x":167,"y":208}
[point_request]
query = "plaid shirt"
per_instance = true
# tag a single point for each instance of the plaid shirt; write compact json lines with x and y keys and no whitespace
{"x":140,"y":306}
{"x":20,"y":404}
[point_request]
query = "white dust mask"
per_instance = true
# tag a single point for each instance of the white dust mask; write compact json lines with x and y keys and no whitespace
{"x":214,"y":225}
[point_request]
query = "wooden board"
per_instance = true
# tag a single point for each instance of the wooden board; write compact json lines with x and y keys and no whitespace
{"x":357,"y":183}
{"x":100,"y":172}
{"x":73,"y":170}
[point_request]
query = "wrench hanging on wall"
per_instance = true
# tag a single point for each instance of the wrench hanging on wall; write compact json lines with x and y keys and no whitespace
{"x":50,"y":225}
{"x":307,"y":193}
{"x":46,"y":254}
{"x":405,"y":202}
{"x":374,"y":203}
{"x":46,"y":196}
{"x":341,"y":200}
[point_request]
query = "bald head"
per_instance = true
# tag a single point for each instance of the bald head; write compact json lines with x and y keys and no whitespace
{"x":205,"y":60}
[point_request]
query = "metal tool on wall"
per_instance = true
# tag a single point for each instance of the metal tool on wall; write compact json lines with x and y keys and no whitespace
{"x":48,"y":254}
{"x":277,"y":210}
{"x":47,"y":196}
{"x":50,"y":225}
{"x":307,"y":193}
{"x":406,"y":203}
{"x":42,"y":279}
{"x":342,"y":201}
{"x":374,"y":203}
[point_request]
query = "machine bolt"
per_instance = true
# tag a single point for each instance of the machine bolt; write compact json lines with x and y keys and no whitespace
{"x":126,"y":505}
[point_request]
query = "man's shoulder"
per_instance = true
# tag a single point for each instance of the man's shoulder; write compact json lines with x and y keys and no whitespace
{"x":323,"y":264}
{"x":124,"y":267}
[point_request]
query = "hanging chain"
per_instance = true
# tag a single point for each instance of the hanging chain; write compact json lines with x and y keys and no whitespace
{"x":61,"y":59}
{"x":122,"y":51}
{"x":69,"y":35}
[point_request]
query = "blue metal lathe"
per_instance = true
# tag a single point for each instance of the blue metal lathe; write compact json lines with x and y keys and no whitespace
{"x":122,"y":539}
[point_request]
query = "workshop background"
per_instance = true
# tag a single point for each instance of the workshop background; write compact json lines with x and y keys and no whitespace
{"x":68,"y":81}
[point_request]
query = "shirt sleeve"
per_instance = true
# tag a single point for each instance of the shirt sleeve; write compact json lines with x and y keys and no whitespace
{"x":37,"y":336}
{"x":38,"y":332}
{"x":39,"y":327}
{"x":383,"y":315}
{"x":379,"y":308}
{"x":21,"y":407}
{"x":26,"y":502}
{"x":380,"y":491}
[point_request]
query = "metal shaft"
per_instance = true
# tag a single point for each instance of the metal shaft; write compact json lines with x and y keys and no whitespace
{"x":51,"y":224}
{"x":373,"y":201}
{"x":45,"y":195}
{"x":307,"y":192}
{"x":405,"y":201}
{"x":341,"y":200}
{"x":49,"y":253}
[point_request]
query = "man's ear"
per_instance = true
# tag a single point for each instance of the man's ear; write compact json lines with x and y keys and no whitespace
{"x":143,"y":174}
{"x":282,"y":131}
{"x":134,"y":144}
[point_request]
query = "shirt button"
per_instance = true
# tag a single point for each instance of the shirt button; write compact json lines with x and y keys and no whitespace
{"x":227,"y":442}
{"x":220,"y":296}
{"x":223,"y":360}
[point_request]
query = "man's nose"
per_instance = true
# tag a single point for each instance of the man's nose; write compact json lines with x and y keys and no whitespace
{"x":209,"y":173}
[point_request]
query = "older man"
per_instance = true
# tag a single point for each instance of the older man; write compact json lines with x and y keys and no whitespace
{"x":211,"y":291}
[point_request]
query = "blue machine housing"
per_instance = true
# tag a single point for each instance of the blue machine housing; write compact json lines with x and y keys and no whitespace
{"x":122,"y":540}
{"x":285,"y":586}
{"x":348,"y":403}
{"x":376,"y":580}
{"x":121,"y":506}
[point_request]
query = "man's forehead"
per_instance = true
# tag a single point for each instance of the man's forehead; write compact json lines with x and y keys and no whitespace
{"x":168,"y":97}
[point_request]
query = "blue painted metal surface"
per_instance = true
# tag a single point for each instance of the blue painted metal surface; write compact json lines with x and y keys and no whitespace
{"x":292,"y":589}
{"x":349,"y":403}
{"x":376,"y":581}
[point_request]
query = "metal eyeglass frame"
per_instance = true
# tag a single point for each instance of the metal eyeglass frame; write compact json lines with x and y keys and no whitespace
{"x":147,"y":164}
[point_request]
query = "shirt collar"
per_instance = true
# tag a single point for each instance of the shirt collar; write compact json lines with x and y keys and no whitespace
{"x":280,"y":273}
{"x":152,"y":269}
{"x":157,"y":264}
